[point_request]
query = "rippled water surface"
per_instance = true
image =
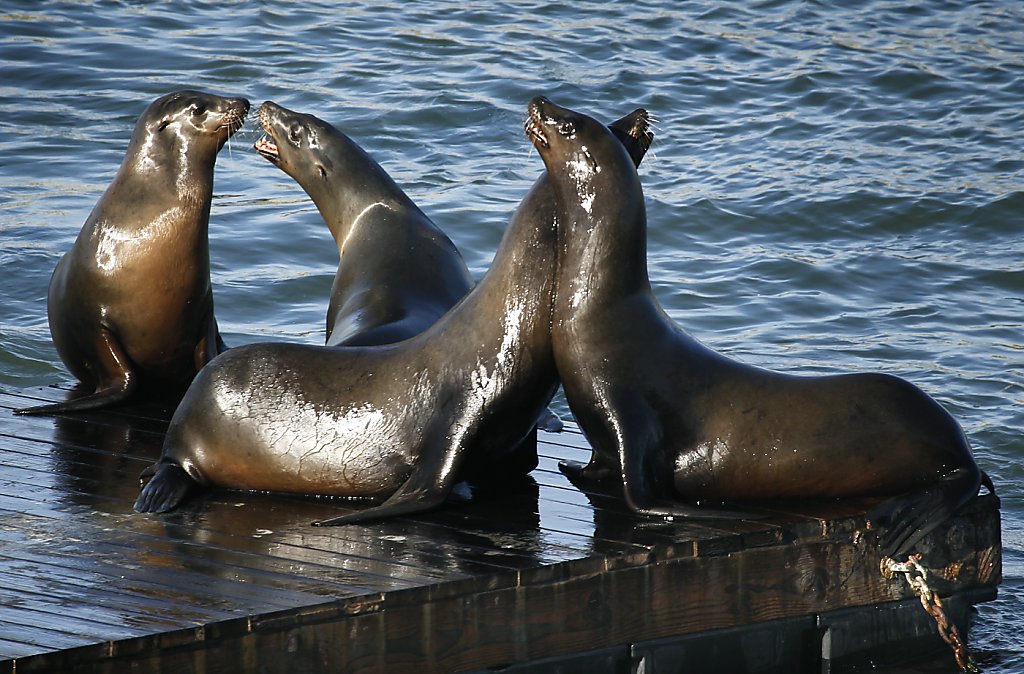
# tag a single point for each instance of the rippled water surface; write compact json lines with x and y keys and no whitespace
{"x":833,"y":187}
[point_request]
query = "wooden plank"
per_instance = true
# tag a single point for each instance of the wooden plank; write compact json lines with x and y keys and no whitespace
{"x":72,"y":486}
{"x":40,"y":638}
{"x":78,"y":486}
{"x":112,"y":552}
{"x":24,"y":591}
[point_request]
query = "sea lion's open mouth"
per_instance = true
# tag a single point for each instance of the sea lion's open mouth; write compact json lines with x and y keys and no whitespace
{"x":266,"y":145}
{"x":533,"y":128}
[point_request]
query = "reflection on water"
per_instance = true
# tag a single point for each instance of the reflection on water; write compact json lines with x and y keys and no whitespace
{"x":96,"y":463}
{"x":98,"y":457}
{"x":394,"y":553}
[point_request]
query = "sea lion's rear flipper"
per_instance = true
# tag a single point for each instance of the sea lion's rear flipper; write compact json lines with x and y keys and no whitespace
{"x":116,"y":376}
{"x":904,"y":520}
{"x":428,"y":486}
{"x":168,"y":488}
{"x":549,"y":421}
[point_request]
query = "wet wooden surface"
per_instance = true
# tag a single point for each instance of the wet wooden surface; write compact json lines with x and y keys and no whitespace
{"x":537,"y":570}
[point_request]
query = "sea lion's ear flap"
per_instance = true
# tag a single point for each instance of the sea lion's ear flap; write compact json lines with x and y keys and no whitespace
{"x":325,"y":166}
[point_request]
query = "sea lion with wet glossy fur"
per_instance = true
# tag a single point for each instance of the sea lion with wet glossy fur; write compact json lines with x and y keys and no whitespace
{"x":403,"y":421}
{"x":678,"y":423}
{"x":398,"y":272}
{"x":130,"y":305}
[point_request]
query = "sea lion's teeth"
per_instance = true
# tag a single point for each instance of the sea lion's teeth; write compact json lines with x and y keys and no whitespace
{"x":534,"y":131}
{"x":266,"y":144}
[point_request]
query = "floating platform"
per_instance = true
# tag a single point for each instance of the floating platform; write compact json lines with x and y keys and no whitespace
{"x":538,"y":577}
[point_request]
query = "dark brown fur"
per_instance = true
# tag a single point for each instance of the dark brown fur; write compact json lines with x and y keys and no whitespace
{"x":678,"y":423}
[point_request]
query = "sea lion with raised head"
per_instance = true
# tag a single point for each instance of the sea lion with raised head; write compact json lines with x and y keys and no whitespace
{"x":130,"y":305}
{"x":404,"y":420}
{"x":398,"y":272}
{"x":678,"y":423}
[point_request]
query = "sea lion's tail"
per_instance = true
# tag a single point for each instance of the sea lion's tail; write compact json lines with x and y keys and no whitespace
{"x":904,"y":520}
{"x":168,"y":487}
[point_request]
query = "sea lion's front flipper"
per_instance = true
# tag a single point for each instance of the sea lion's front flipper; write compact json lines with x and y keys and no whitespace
{"x":117,"y":381}
{"x":408,"y":499}
{"x":645,"y":494}
{"x":550,"y":422}
{"x":210,"y":344}
{"x":641,"y":501}
{"x":427,"y":487}
{"x":693,"y":512}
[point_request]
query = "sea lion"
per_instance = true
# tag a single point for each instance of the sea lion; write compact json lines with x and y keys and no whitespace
{"x":398,"y":272}
{"x":405,"y":419}
{"x":130,"y":305}
{"x":678,"y":422}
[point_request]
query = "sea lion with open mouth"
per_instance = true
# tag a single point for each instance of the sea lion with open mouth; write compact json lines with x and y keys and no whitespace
{"x":403,"y":421}
{"x":398,"y":272}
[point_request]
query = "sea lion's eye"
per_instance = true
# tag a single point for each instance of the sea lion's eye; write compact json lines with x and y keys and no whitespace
{"x":163,"y":125}
{"x":199,"y":109}
{"x":293,"y":134}
{"x":322,"y":170}
{"x":567,"y":128}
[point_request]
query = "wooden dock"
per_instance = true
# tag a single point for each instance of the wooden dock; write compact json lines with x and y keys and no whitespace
{"x":540,"y":577}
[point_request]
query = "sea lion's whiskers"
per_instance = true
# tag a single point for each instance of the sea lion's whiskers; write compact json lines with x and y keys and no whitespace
{"x":651,"y":150}
{"x":235,"y":122}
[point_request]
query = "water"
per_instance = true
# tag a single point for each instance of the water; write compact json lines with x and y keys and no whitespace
{"x":832,"y":187}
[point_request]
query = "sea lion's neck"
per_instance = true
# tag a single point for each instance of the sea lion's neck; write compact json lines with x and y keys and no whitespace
{"x":602,"y":236}
{"x":154,"y":187}
{"x":527,"y":249}
{"x":347,"y":199}
{"x":505,"y":322}
{"x":176,"y":170}
{"x":514,"y":297}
